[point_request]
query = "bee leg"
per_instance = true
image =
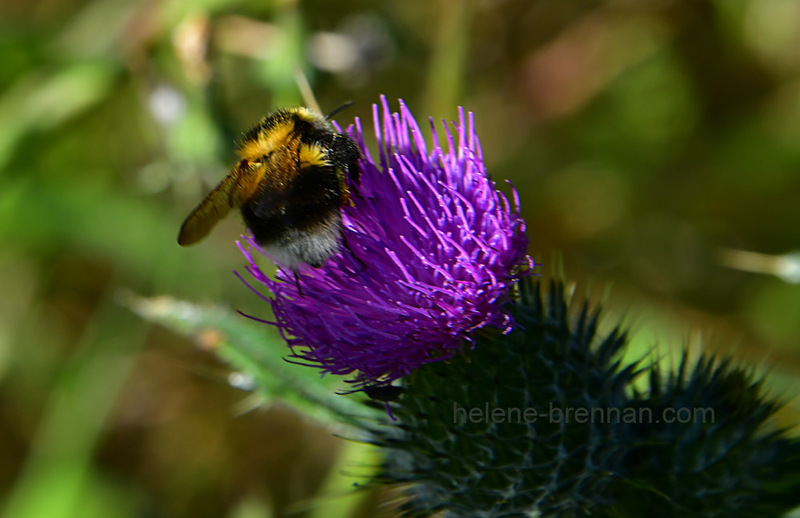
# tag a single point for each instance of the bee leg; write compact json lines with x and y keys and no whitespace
{"x":347,"y":246}
{"x":297,"y":283}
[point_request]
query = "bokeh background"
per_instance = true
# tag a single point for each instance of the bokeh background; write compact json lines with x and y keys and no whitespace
{"x":653,"y":142}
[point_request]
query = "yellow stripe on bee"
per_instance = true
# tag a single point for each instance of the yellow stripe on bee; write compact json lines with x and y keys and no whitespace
{"x":306,"y":114}
{"x":312,"y":154}
{"x":268,"y":140}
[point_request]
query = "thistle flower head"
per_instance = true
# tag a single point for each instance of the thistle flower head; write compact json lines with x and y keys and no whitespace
{"x":432,"y":249}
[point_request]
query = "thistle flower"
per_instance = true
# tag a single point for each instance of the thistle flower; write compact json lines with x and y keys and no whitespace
{"x":432,"y":249}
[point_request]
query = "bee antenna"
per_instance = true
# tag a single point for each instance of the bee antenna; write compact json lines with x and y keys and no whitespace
{"x":340,"y":108}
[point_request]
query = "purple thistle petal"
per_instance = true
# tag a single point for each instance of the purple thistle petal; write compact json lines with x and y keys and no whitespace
{"x":441,"y":247}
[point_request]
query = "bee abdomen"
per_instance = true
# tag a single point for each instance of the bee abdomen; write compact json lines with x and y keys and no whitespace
{"x":313,"y":246}
{"x":302,"y":224}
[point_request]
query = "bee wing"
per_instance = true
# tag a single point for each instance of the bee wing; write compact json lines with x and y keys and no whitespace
{"x":231,"y":193}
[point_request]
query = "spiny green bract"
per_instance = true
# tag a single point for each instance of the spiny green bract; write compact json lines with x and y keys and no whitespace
{"x":724,"y":461}
{"x":461,"y":449}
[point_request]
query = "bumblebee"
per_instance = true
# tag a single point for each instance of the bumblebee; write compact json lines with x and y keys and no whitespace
{"x":290,"y":186}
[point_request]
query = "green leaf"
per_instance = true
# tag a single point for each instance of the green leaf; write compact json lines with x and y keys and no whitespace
{"x":257,"y":355}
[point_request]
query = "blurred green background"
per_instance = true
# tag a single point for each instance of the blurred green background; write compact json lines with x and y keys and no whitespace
{"x":652,"y":142}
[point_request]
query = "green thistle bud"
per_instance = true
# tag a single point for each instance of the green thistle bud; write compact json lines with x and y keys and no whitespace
{"x":545,"y":422}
